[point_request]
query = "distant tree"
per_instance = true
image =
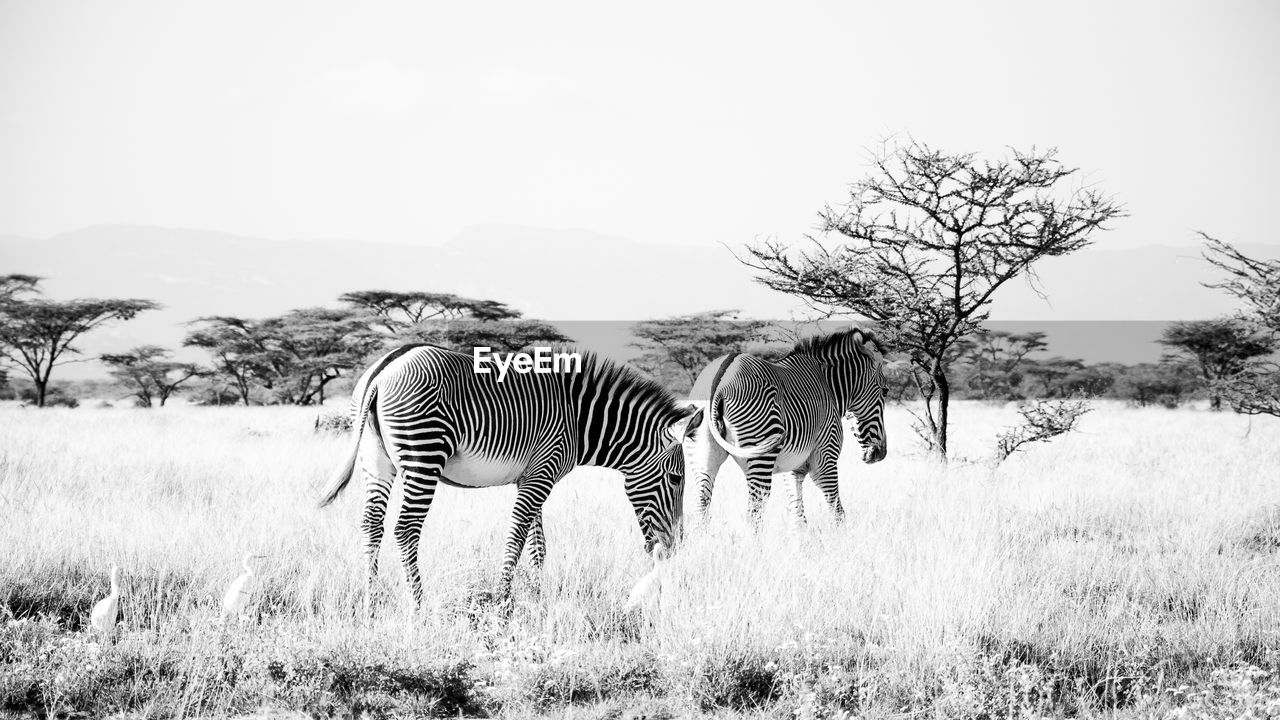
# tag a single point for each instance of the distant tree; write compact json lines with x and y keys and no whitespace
{"x":311,"y":347}
{"x":55,"y":396}
{"x":238,"y":347}
{"x":900,"y":377}
{"x":994,"y":357}
{"x":294,"y":356}
{"x":1051,"y":375}
{"x":1167,"y":384}
{"x":14,"y":285}
{"x":398,"y":311}
{"x":149,"y":374}
{"x":1221,"y":348}
{"x":37,"y":335}
{"x":508,"y":335}
{"x":924,"y":243}
{"x":1255,"y":389}
{"x":1086,"y":381}
{"x":213,"y":389}
{"x":677,"y":349}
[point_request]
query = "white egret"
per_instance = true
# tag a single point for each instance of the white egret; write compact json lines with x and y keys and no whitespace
{"x":649,"y":586}
{"x":241,"y":592}
{"x":103,"y":618}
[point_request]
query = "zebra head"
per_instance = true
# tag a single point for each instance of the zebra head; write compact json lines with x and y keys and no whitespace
{"x":854,"y":364}
{"x":655,"y":485}
{"x":632,"y":424}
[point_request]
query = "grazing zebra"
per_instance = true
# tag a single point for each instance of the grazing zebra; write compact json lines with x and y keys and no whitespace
{"x":430,"y":418}
{"x":785,"y":416}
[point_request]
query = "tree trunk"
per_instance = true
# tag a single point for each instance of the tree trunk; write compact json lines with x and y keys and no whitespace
{"x":944,"y":403}
{"x":41,"y":387}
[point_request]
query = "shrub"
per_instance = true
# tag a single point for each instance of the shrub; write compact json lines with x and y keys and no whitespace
{"x":333,"y":422}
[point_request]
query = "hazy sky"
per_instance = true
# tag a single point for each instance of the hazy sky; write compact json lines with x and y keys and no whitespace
{"x":666,"y":122}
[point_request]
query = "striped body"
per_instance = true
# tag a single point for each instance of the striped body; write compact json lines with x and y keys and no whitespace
{"x":785,"y":416}
{"x":426,"y":416}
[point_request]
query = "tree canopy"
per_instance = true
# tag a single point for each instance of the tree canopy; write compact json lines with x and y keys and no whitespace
{"x":1221,"y":348}
{"x":37,"y":335}
{"x":396,"y":311}
{"x":1254,"y":389}
{"x":505,"y":335}
{"x":293,"y":356}
{"x":149,"y":374}
{"x":924,"y":242}
{"x":676,"y":349}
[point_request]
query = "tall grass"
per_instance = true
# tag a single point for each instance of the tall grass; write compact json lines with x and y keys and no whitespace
{"x":1113,"y":569}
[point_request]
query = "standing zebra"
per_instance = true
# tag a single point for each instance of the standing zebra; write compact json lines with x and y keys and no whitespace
{"x":432,"y":418}
{"x":785,"y":416}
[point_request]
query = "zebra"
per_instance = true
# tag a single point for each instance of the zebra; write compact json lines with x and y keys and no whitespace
{"x":423,"y":413}
{"x":785,"y":416}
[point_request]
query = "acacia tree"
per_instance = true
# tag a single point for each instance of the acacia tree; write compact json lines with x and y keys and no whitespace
{"x":994,"y":357}
{"x":237,"y":347}
{"x":10,"y":287}
{"x":149,"y":374}
{"x":37,"y":335}
{"x":1221,"y":348}
{"x":396,"y":311}
{"x":311,"y":347}
{"x":14,"y":285}
{"x":677,"y":349}
{"x":294,"y":356}
{"x":1255,"y":388}
{"x":1166,"y":383}
{"x":507,"y":335}
{"x":923,"y":244}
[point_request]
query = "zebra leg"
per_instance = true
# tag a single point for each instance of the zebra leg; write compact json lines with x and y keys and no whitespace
{"x":795,"y":503}
{"x":824,"y":471}
{"x":759,"y":473}
{"x":708,"y":457}
{"x":379,"y":473}
{"x":827,"y":480}
{"x":537,"y":542}
{"x":531,"y":493}
{"x":419,"y":490}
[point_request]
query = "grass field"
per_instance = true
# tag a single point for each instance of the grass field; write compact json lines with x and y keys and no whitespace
{"x":1132,"y":568}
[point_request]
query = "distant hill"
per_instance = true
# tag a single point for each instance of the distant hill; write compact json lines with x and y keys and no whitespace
{"x":557,"y":275}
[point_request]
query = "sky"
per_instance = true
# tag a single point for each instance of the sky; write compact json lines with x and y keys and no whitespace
{"x":672,"y":122}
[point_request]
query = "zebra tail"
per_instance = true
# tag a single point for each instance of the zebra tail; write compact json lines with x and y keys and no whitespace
{"x":340,"y":479}
{"x":713,"y":424}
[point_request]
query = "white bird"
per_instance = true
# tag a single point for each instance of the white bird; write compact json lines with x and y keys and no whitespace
{"x":649,"y":586}
{"x":103,"y":618}
{"x":240,"y":593}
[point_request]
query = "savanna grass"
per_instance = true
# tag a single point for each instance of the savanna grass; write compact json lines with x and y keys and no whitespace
{"x":1115,"y":569}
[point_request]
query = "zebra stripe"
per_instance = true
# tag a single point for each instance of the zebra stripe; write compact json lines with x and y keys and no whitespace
{"x":430,"y":418}
{"x":785,"y":416}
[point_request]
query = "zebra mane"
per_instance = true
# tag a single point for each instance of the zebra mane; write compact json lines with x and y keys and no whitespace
{"x":599,"y":370}
{"x":818,"y":343}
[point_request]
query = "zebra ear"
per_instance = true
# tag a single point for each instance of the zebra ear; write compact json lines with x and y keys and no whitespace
{"x":872,"y":348}
{"x":680,"y":429}
{"x":691,"y":425}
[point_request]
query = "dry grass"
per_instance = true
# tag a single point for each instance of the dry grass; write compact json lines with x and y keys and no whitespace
{"x":1103,"y":571}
